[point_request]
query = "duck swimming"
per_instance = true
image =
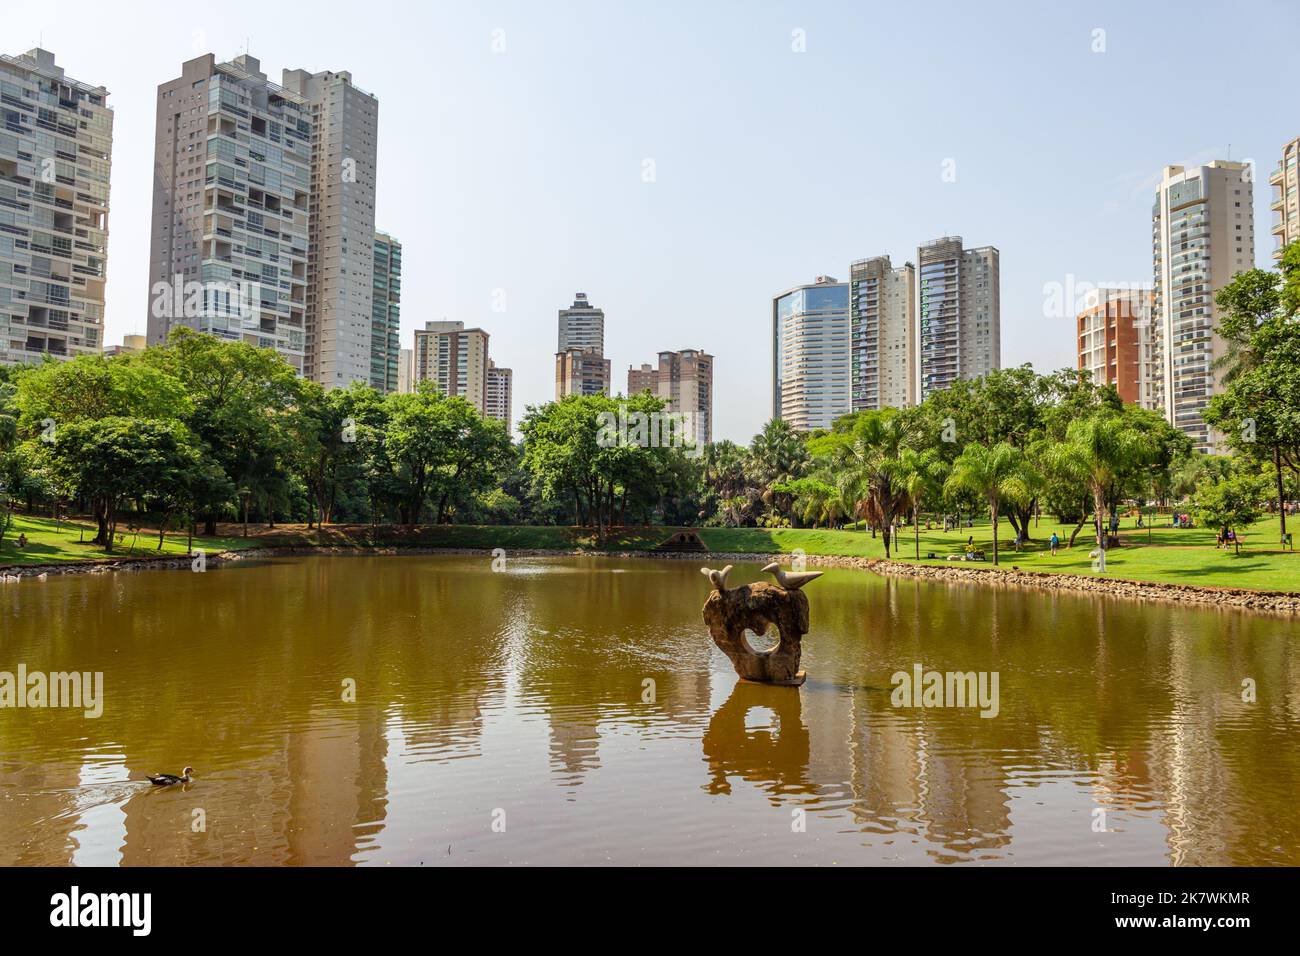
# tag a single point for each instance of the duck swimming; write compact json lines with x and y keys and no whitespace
{"x":167,"y":779}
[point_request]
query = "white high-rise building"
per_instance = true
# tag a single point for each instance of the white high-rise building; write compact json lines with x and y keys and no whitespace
{"x":456,"y":359}
{"x":810,"y":354}
{"x":1202,"y":234}
{"x":882,"y":309}
{"x":264,"y":214}
{"x":231,"y":207}
{"x":340,"y":264}
{"x":959,"y":313}
{"x":55,"y":149}
{"x":499,"y":393}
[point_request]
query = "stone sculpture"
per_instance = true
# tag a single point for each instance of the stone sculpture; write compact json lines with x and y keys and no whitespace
{"x":730,"y":612}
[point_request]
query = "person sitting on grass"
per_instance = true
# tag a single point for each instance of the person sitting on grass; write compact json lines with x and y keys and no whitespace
{"x":22,"y":540}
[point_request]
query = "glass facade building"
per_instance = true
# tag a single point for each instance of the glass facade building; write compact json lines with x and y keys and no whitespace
{"x":811,"y":347}
{"x":385,"y":321}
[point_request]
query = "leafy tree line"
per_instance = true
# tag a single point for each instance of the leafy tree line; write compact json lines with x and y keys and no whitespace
{"x":200,"y":430}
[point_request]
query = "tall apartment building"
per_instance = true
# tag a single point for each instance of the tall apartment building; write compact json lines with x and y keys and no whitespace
{"x":580,"y":364}
{"x":1286,"y":201}
{"x":811,"y":346}
{"x":645,"y":378}
{"x":580,"y":371}
{"x":499,"y":393}
{"x":455,"y":359}
{"x":1202,"y":234}
{"x":959,"y":313}
{"x":55,"y":150}
{"x":386,"y":317}
{"x":582,"y":326}
{"x":882,"y":325}
{"x":406,"y":371}
{"x":1115,"y":343}
{"x":684,"y":380}
{"x":231,"y":207}
{"x":341,"y":229}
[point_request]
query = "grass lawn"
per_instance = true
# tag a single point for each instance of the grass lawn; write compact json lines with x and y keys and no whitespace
{"x":1164,"y":554}
{"x":48,"y":543}
{"x":1161,"y":553}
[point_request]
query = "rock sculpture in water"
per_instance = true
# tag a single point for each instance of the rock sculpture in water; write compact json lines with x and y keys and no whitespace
{"x":730,"y":612}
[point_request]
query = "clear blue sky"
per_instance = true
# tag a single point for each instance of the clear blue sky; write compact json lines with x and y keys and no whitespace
{"x":523,"y":170}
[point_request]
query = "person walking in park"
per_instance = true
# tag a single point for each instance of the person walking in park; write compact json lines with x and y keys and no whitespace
{"x":1056,"y":543}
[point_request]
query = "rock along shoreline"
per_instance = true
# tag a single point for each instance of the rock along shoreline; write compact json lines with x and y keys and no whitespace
{"x":1280,"y":602}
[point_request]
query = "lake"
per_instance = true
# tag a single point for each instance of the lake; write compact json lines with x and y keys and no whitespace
{"x":428,"y":710}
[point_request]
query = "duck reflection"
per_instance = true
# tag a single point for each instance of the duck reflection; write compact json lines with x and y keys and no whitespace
{"x":759,"y":735}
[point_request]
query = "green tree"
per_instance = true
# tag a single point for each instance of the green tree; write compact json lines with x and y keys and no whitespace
{"x":1258,"y":411}
{"x":327,"y":448}
{"x":777,"y":455}
{"x":1098,"y":451}
{"x":725,"y":477}
{"x":439,"y":448}
{"x":816,"y":501}
{"x":924,"y":473}
{"x":994,"y":474}
{"x":1231,"y":503}
{"x":596,"y":452}
{"x":109,"y":460}
{"x":865,"y":449}
{"x":240,"y":397}
{"x":91,"y":387}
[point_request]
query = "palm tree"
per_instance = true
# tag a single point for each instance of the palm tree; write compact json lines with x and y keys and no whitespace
{"x":777,"y":456}
{"x":817,"y":500}
{"x":993,"y":474}
{"x":1098,"y":450}
{"x":923,"y":479}
{"x":725,"y":465}
{"x":871,"y":469}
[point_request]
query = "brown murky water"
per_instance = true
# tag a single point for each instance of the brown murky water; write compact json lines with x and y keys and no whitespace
{"x":516,"y":698}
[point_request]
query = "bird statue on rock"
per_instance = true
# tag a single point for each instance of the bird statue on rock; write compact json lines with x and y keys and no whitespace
{"x":791,"y":580}
{"x":717,"y":578}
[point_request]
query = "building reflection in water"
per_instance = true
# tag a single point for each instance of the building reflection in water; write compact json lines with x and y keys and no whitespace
{"x":529,"y":688}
